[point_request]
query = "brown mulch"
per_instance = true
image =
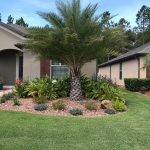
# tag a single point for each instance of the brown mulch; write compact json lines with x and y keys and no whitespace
{"x":28,"y":104}
{"x":146,"y":93}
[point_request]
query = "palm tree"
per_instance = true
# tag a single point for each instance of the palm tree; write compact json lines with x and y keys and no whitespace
{"x":75,"y":36}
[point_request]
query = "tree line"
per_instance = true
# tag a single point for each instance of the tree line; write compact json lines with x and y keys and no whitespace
{"x":131,"y":37}
{"x":20,"y":21}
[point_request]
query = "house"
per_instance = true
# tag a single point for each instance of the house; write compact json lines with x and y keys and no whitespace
{"x":18,"y":63}
{"x":128,"y":65}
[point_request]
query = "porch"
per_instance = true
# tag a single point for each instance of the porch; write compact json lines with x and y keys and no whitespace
{"x":11,"y":65}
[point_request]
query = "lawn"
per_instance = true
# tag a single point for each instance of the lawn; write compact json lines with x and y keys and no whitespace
{"x":127,"y":131}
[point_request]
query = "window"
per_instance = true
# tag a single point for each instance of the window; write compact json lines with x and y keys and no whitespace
{"x":58,"y":69}
{"x":120,"y":71}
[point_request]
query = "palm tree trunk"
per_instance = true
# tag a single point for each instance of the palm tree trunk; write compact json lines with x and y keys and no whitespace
{"x":76,"y":91}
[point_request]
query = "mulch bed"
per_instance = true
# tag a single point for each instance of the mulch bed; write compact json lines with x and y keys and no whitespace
{"x":28,"y":104}
{"x":146,"y":93}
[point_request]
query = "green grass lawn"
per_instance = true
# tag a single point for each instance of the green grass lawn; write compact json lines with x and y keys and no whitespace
{"x":128,"y":131}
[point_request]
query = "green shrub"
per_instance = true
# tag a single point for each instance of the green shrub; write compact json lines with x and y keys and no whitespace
{"x":87,"y":86}
{"x":16,"y":101}
{"x":119,"y":105}
{"x":106,"y":91}
{"x":40,"y":107}
{"x":76,"y":112}
{"x":7,"y":97}
{"x":40,"y":88}
{"x":21,"y":89}
{"x":135,"y":84}
{"x":10,"y":95}
{"x":40,"y":100}
{"x":90,"y":105}
{"x":63,"y":87}
{"x":59,"y":105}
{"x":3,"y":99}
{"x":110,"y":111}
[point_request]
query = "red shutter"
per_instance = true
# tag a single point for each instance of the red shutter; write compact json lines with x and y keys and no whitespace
{"x":44,"y":68}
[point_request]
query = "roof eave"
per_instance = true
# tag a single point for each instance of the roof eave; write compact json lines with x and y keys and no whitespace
{"x":122,"y":59}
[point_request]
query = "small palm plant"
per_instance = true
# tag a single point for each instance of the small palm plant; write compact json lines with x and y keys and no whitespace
{"x":75,"y":36}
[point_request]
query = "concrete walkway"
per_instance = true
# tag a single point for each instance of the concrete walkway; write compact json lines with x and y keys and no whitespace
{"x":7,"y":89}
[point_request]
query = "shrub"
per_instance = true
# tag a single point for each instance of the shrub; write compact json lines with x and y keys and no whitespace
{"x":63,"y":87}
{"x":3,"y":99}
{"x":107,"y":80}
{"x":119,"y":105}
{"x":16,"y":101}
{"x":90,"y":105}
{"x":40,"y":88}
{"x":20,"y":88}
{"x":10,"y":95}
{"x":87,"y":86}
{"x":110,"y":111}
{"x":76,"y":112}
{"x":6,"y":97}
{"x":40,"y":100}
{"x":103,"y":90}
{"x":40,"y":107}
{"x":135,"y":84}
{"x":59,"y":105}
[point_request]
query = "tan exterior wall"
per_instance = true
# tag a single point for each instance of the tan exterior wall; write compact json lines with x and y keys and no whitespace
{"x":104,"y":71}
{"x":129,"y":70}
{"x":89,"y":69}
{"x":142,"y":70}
{"x":31,"y":66}
{"x":115,"y":74}
{"x":7,"y":40}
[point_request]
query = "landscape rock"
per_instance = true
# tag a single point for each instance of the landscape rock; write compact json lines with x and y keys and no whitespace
{"x":106,"y":104}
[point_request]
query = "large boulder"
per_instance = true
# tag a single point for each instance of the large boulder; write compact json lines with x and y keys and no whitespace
{"x":106,"y":104}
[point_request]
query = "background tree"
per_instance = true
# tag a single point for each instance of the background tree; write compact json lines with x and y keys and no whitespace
{"x":123,"y":23}
{"x":76,"y":36}
{"x":143,"y":22}
{"x":10,"y":20}
{"x":21,"y":22}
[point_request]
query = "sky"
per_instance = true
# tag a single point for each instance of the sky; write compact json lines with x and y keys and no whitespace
{"x":27,"y":9}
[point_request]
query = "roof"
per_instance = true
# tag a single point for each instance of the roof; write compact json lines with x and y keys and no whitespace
{"x":142,"y":50}
{"x":14,"y":28}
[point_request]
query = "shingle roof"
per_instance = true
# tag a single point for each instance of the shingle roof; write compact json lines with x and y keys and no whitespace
{"x":142,"y":50}
{"x":14,"y":28}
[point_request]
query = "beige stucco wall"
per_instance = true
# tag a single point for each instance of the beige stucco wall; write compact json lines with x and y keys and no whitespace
{"x":142,"y":70}
{"x":104,"y":71}
{"x":129,"y":70}
{"x":89,"y":69}
{"x":7,"y":39}
{"x":31,"y":66}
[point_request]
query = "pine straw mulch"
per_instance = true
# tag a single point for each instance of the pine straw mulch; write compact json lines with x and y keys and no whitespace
{"x":27,"y":105}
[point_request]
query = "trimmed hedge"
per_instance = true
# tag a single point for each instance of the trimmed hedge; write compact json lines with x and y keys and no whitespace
{"x":135,"y":84}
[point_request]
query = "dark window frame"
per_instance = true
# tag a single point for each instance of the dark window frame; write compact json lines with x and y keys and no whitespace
{"x":120,"y":71}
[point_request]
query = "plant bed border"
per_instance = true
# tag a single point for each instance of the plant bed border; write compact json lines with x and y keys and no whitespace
{"x":27,"y":105}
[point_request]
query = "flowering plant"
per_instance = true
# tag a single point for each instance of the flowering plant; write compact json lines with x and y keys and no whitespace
{"x":18,"y":82}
